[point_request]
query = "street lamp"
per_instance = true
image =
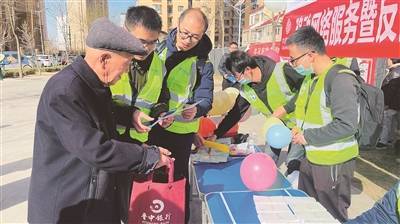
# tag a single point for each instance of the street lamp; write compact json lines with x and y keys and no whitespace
{"x":238,"y":9}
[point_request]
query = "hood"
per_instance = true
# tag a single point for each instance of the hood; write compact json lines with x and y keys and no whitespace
{"x":201,"y":50}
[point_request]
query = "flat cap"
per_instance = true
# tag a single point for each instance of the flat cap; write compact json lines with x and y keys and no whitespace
{"x":103,"y":34}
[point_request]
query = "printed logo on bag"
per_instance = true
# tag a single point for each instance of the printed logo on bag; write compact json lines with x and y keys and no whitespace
{"x":154,"y":217}
{"x":157,"y":206}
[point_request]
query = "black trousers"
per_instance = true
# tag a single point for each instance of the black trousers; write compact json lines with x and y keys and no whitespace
{"x":330,"y":185}
{"x":180,"y":146}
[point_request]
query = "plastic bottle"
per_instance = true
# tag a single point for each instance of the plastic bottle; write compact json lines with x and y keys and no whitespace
{"x":251,"y":143}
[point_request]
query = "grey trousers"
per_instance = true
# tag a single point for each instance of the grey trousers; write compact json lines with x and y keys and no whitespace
{"x":329,"y":185}
{"x":390,"y":120}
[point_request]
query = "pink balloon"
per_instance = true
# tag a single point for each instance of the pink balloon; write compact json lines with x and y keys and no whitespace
{"x":258,"y":171}
{"x":273,"y":55}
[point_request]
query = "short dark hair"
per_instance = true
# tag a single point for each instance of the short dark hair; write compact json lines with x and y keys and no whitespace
{"x":205,"y":20}
{"x":395,"y":60}
{"x":238,"y":61}
{"x":143,"y":16}
{"x":233,"y":42}
{"x":307,"y":38}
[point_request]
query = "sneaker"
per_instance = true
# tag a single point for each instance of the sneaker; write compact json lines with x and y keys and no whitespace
{"x":381,"y":145}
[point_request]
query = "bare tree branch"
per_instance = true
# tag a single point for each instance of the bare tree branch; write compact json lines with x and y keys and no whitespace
{"x":5,"y":36}
{"x":9,"y":6}
{"x":27,"y":37}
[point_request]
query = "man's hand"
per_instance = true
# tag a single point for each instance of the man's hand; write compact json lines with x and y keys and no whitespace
{"x":165,"y":160}
{"x":299,"y":139}
{"x":198,"y":141}
{"x":138,"y":118}
{"x":279,"y":112}
{"x":189,"y":114}
{"x":212,"y":138}
{"x":165,"y":123}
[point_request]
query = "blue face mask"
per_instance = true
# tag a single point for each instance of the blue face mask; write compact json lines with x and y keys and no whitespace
{"x":244,"y":81}
{"x":303,"y":71}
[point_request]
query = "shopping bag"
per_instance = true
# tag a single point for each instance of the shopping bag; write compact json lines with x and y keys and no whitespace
{"x":158,"y":203}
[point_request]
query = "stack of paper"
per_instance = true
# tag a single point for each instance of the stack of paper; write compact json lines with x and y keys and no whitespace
{"x":285,"y":209}
{"x":212,"y":156}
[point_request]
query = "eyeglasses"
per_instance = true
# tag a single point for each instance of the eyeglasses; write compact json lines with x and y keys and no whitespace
{"x":293,"y":61}
{"x":185,"y":35}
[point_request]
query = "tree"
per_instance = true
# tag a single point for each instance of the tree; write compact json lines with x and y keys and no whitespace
{"x":27,"y":37}
{"x":9,"y":6}
{"x":28,"y":42}
{"x":58,"y":10}
{"x":5,"y":36}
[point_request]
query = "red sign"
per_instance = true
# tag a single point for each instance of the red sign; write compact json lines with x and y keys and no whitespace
{"x":350,"y":28}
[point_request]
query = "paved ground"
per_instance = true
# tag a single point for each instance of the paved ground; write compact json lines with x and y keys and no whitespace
{"x":18,"y":103}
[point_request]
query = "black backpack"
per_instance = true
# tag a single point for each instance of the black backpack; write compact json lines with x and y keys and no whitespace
{"x":371,"y":102}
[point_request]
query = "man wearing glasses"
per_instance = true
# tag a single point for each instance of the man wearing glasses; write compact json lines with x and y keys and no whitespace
{"x":188,"y":80}
{"x":136,"y":94}
{"x":327,"y":114}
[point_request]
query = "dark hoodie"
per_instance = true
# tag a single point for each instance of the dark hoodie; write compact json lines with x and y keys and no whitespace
{"x":204,"y":86}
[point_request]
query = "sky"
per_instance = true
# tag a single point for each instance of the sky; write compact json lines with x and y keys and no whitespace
{"x":115,"y":8}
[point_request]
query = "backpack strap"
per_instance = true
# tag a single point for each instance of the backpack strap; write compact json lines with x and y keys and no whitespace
{"x":339,"y":69}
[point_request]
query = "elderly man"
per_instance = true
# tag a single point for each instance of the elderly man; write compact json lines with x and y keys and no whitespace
{"x":188,"y":80}
{"x":76,"y":157}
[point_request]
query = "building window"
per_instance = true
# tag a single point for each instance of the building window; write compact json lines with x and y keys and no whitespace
{"x":251,"y":20}
{"x":226,"y":38}
{"x":180,"y":8}
{"x":169,"y":20}
{"x":278,"y":30}
{"x":170,"y":9}
{"x":257,"y":18}
{"x":157,"y":7}
{"x":226,"y":22}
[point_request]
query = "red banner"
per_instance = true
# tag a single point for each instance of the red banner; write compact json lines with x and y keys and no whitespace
{"x":350,"y":28}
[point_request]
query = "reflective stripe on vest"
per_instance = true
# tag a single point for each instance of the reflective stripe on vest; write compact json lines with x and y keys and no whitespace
{"x":398,"y":200}
{"x":147,"y":96}
{"x":121,"y":91}
{"x":278,"y":94}
{"x":181,"y":81}
{"x":312,"y":112}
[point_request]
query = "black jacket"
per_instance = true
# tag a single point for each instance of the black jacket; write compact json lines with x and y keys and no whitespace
{"x":205,"y":82}
{"x":266,"y":66}
{"x":391,"y":88}
{"x":76,"y":158}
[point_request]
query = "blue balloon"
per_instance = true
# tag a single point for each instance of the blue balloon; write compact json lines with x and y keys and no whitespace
{"x":279,"y":136}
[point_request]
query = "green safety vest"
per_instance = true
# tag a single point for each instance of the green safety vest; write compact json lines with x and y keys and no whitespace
{"x":278,"y":94}
{"x":398,"y":200}
{"x":147,"y":96}
{"x":343,"y":61}
{"x":181,"y":81}
{"x":312,"y":112}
